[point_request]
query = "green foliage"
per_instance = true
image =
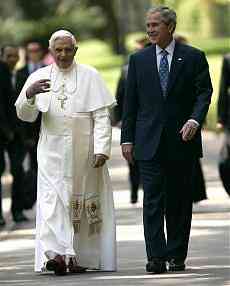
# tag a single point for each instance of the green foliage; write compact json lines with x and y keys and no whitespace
{"x":190,"y":17}
{"x":131,"y":40}
{"x":219,"y":13}
{"x":99,"y":54}
{"x":212,"y":46}
{"x":35,"y":10}
{"x":215,"y":62}
{"x":204,"y":18}
{"x":170,"y":3}
{"x":225,"y":2}
{"x":77,"y":21}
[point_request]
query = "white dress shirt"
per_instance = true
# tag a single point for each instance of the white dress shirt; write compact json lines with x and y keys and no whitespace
{"x":170,"y":49}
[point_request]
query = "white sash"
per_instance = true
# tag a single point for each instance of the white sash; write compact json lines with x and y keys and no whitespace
{"x":85,"y":177}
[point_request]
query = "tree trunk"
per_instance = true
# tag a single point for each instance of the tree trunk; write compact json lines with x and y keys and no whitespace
{"x":113,"y":28}
{"x":220,"y":19}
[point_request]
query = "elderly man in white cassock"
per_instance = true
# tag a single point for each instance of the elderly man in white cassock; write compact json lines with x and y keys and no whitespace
{"x":75,"y":225}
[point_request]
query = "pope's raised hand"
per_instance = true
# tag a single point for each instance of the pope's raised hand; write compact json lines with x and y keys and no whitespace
{"x":39,"y":86}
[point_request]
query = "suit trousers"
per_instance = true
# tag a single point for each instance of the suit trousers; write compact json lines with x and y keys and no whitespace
{"x":33,"y":158}
{"x":198,"y":183}
{"x":16,"y":153}
{"x":134,"y":178}
{"x":167,"y":198}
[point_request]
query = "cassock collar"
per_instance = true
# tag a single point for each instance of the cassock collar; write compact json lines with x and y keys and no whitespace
{"x":67,"y":70}
{"x":67,"y":77}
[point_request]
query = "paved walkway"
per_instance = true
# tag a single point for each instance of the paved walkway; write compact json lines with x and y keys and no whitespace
{"x":209,"y":254}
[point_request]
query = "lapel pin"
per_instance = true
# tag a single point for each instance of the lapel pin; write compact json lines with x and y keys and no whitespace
{"x":179,"y":59}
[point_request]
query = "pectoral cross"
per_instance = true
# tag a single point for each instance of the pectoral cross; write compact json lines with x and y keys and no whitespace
{"x":63,"y":97}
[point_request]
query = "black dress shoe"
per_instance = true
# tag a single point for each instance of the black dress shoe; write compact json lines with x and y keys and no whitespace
{"x":2,"y":221}
{"x":133,"y":200}
{"x":134,"y":197}
{"x":176,"y":265}
{"x":156,"y":266}
{"x":19,"y":217}
{"x":57,"y":265}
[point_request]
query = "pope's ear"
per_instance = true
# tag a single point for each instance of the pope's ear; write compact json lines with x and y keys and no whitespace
{"x":50,"y":50}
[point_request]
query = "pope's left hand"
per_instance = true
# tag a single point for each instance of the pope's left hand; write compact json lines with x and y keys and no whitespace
{"x":188,"y":131}
{"x":99,"y":160}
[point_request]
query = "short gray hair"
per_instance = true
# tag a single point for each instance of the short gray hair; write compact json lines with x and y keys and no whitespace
{"x":61,"y":34}
{"x":168,"y":15}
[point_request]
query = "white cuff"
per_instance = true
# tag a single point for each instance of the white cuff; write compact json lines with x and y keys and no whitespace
{"x":193,"y":120}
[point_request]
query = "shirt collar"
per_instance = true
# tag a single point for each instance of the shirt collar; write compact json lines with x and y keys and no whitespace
{"x":34,"y":66}
{"x":169,"y":48}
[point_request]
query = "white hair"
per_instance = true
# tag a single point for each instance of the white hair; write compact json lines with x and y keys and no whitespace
{"x":61,"y":34}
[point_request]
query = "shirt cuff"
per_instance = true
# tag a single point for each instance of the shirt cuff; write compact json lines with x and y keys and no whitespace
{"x":193,"y":120}
{"x":125,"y":143}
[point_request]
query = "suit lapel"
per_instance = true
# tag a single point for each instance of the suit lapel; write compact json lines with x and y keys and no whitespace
{"x":176,"y":65}
{"x":151,"y":67}
{"x":27,"y":72}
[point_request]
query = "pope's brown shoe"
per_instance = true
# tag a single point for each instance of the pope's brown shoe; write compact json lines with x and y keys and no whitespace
{"x":74,"y":267}
{"x":57,"y":265}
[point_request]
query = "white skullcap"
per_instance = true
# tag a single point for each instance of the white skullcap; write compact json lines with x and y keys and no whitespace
{"x":61,"y":34}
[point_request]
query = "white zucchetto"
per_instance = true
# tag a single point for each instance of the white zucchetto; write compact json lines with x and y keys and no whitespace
{"x":61,"y":34}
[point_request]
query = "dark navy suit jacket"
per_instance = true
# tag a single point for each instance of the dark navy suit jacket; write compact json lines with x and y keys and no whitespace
{"x":224,"y":94}
{"x":31,"y":130}
{"x":147,"y":113}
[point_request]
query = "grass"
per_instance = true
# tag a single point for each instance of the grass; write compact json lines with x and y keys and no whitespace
{"x":99,"y":55}
{"x":215,"y":62}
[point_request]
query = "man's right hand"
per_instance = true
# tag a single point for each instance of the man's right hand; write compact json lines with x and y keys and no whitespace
{"x":39,"y":86}
{"x":219,"y":126}
{"x":127,"y":152}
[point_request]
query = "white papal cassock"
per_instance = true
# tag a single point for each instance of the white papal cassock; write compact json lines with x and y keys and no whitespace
{"x":78,"y":100}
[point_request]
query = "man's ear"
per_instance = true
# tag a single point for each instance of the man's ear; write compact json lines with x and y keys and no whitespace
{"x":171,"y":28}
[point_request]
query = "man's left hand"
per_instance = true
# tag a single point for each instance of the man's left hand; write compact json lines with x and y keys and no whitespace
{"x":99,"y":160}
{"x":188,"y":131}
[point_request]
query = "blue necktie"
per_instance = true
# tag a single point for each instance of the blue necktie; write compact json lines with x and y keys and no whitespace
{"x":164,"y":71}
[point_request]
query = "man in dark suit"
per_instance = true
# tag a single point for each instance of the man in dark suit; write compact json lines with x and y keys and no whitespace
{"x":14,"y":147}
{"x":223,"y":108}
{"x":223,"y":121}
{"x":167,"y":98}
{"x":6,"y":134}
{"x":34,"y":55}
{"x":198,"y":180}
{"x":134,"y":174}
